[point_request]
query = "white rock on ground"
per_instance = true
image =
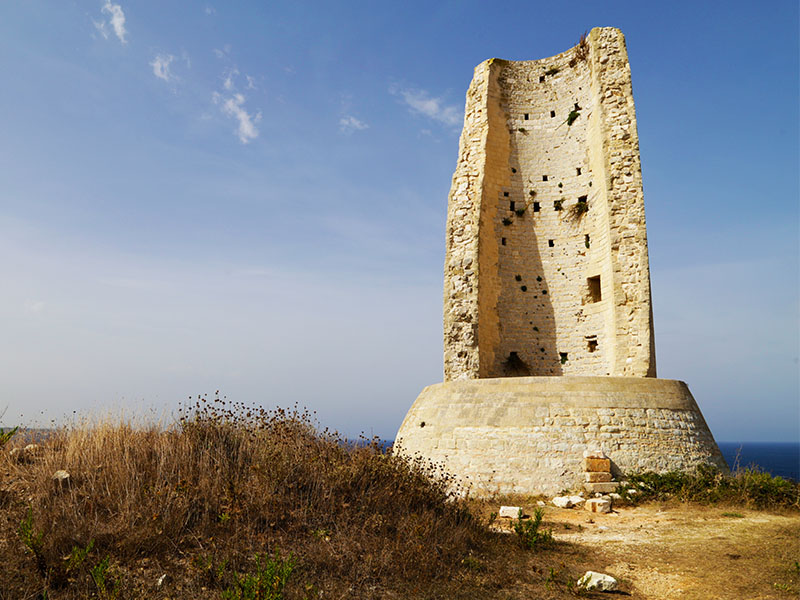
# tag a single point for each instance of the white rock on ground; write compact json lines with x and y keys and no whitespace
{"x":577,"y":500}
{"x":509,"y":512}
{"x":598,"y":581}
{"x":61,"y":480}
{"x":562,"y":501}
{"x":598,"y":505}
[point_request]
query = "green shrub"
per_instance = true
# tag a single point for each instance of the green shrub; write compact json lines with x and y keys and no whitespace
{"x":266,"y":583}
{"x":528,"y":533}
{"x":749,"y":487}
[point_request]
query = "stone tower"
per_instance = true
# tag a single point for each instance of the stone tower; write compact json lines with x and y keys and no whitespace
{"x":546,"y":270}
{"x":548,"y":330}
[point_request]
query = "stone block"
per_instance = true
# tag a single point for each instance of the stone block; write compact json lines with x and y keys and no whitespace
{"x":598,"y":505}
{"x":597,"y":465}
{"x":603,"y":488}
{"x":597,"y":477}
{"x":509,"y":512}
{"x":597,"y":581}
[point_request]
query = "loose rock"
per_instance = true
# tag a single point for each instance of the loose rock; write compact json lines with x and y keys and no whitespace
{"x":562,"y":501}
{"x":61,"y":480}
{"x":509,"y":512}
{"x":598,"y":505}
{"x":598,"y":581}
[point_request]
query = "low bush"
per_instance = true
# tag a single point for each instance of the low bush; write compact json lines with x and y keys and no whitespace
{"x":748,"y":487}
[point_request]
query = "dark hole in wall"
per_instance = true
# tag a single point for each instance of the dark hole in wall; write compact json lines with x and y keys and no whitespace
{"x":551,"y":243}
{"x":577,"y":107}
{"x":552,"y":113}
{"x":536,"y":207}
{"x":579,"y":170}
{"x":503,"y":241}
{"x":583,"y":199}
{"x":505,"y":194}
{"x":544,"y":177}
{"x":526,"y":116}
{"x":524,"y":288}
{"x":563,"y":356}
{"x":514,"y":366}
{"x":511,"y":205}
{"x":586,"y":240}
{"x":538,"y":278}
{"x":557,"y":204}
{"x":513,"y":170}
{"x":595,"y":290}
{"x":541,"y":78}
{"x":592,"y":345}
{"x":518,"y":277}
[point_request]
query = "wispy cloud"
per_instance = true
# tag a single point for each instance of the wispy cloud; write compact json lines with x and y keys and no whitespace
{"x":422,"y":103}
{"x":209,"y":10}
{"x":251,"y":82}
{"x":349,"y":124}
{"x":234,"y":107}
{"x":228,"y":81}
{"x":160,"y":66}
{"x":116,"y":20}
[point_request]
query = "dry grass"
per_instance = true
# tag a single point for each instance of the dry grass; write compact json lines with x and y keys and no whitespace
{"x":200,"y":500}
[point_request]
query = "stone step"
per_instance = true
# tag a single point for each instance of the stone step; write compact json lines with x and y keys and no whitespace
{"x":597,"y":477}
{"x":597,"y":465}
{"x":602,"y":487}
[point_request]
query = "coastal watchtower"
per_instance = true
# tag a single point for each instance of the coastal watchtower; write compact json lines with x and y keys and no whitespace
{"x":549,"y":349}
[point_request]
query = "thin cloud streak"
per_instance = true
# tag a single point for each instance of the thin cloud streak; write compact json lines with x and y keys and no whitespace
{"x":234,"y":107}
{"x":349,"y":124}
{"x":422,"y":103}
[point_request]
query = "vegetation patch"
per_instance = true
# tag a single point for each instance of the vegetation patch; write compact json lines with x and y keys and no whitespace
{"x":750,"y":487}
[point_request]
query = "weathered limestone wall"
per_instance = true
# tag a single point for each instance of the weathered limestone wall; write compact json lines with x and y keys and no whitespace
{"x":528,"y":434}
{"x":546,"y":271}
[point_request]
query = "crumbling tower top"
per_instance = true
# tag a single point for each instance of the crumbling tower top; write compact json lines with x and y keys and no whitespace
{"x":546,"y":271}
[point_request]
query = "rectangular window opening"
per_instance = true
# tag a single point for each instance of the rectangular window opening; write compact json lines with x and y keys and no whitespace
{"x":552,"y":114}
{"x":563,"y":356}
{"x":583,"y":199}
{"x":595,"y":291}
{"x":592,"y":344}
{"x":544,"y":177}
{"x":579,"y":170}
{"x":505,"y":194}
{"x":511,"y":205}
{"x":503,"y":241}
{"x":536,"y":207}
{"x":557,"y":204}
{"x":541,"y":78}
{"x":525,"y":116}
{"x":551,"y":243}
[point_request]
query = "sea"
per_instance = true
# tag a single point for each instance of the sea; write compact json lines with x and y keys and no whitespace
{"x":780,"y":459}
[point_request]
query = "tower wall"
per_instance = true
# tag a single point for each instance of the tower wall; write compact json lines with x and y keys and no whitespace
{"x":546,"y":271}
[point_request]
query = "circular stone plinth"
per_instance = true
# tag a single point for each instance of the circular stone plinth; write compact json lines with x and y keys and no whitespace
{"x":527,"y":434}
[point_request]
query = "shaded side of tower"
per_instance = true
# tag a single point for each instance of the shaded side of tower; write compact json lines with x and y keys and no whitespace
{"x":546,"y":271}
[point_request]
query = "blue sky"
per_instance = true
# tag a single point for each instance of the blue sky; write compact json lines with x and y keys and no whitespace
{"x":251,"y":197}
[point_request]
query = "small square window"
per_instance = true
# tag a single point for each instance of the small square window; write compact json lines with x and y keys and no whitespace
{"x":505,"y":194}
{"x":525,"y":116}
{"x":552,"y":113}
{"x":544,"y":177}
{"x":541,"y":78}
{"x":557,"y":204}
{"x":536,"y":207}
{"x":551,"y":243}
{"x":592,"y":345}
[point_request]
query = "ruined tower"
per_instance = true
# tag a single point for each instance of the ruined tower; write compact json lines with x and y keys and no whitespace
{"x":548,"y":329}
{"x":546,"y":270}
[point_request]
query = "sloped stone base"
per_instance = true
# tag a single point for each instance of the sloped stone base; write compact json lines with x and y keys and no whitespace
{"x":528,"y":434}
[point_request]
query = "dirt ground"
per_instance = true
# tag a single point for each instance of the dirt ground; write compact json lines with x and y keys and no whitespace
{"x":676,"y":551}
